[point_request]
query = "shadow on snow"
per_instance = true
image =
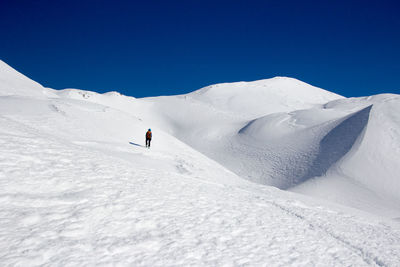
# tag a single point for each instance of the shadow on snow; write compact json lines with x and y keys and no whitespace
{"x":135,"y":144}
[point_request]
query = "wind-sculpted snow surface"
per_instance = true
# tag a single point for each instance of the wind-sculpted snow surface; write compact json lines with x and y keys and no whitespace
{"x":372,"y":164}
{"x":66,"y":203}
{"x":297,"y":143}
{"x":278,"y":132}
{"x":302,"y":152}
{"x":77,"y":187}
{"x":337,"y":143}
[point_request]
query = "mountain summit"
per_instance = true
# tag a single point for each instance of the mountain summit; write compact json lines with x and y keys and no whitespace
{"x":258,"y":98}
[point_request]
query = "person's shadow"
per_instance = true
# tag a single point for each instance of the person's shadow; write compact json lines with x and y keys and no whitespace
{"x":135,"y":144}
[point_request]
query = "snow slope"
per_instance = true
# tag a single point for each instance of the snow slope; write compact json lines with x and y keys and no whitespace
{"x":294,"y":136}
{"x":285,"y":133}
{"x":258,"y":98}
{"x":78,"y":187}
{"x":371,"y":163}
{"x":15,"y":83}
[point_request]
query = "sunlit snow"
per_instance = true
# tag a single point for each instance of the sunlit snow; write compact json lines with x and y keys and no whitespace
{"x":268,"y":173}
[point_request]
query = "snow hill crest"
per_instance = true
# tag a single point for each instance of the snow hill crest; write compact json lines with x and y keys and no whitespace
{"x":266,"y":173}
{"x":279,"y":132}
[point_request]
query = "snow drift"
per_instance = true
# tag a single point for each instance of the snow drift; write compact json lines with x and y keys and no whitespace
{"x":79,"y":188}
{"x":297,"y":137}
{"x":279,"y":132}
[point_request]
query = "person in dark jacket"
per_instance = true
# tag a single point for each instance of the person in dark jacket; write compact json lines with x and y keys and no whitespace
{"x":148,"y":138}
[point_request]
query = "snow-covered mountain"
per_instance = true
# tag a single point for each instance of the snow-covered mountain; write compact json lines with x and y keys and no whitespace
{"x":298,"y":137}
{"x":14,"y":83}
{"x":79,"y":188}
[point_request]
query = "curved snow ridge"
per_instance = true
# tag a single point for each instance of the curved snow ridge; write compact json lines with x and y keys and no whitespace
{"x":271,"y":126}
{"x":291,"y":148}
{"x":366,"y":177}
{"x":337,"y":143}
{"x":375,"y":163}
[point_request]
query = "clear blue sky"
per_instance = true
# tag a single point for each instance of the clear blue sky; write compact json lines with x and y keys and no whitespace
{"x":150,"y":48}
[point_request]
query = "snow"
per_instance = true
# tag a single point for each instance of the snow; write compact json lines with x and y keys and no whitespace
{"x":15,"y":83}
{"x":299,"y":143}
{"x":78,"y":188}
{"x":258,"y":98}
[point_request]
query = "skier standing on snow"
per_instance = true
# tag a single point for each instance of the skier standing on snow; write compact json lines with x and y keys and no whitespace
{"x":148,"y":138}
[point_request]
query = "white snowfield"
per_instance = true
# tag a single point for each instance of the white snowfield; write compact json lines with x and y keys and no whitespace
{"x":77,"y":187}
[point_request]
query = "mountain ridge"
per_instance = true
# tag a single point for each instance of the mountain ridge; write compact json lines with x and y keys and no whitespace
{"x":263,"y":142}
{"x":78,"y":186}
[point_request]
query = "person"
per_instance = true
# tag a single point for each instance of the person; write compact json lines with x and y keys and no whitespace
{"x":148,"y":138}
